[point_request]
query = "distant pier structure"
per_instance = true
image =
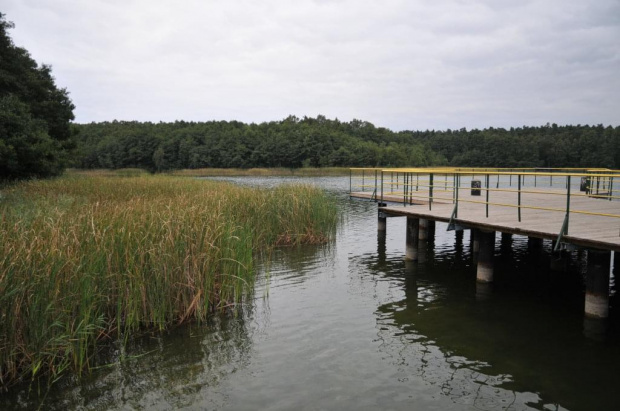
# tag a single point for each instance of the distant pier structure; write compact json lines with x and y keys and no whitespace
{"x":574,"y":208}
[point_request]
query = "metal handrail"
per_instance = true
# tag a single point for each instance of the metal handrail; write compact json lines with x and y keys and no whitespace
{"x":435,"y":184}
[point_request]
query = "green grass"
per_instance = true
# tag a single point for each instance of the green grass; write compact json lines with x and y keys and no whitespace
{"x":85,"y":258}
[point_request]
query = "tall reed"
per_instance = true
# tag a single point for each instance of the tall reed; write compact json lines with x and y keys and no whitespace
{"x":299,"y":172}
{"x":85,"y":258}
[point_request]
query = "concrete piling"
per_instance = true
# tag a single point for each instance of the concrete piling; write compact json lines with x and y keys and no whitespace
{"x":423,"y":229}
{"x":381,"y":223}
{"x":506,"y":244}
{"x":597,"y":284}
{"x":431,"y":228}
{"x":484,"y":272}
{"x":475,"y":242}
{"x":412,"y":239}
{"x":534,"y":243}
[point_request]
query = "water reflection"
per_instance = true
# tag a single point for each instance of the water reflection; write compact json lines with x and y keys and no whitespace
{"x":292,"y":266}
{"x":160,"y":371}
{"x":494,"y":348}
{"x":352,"y":325}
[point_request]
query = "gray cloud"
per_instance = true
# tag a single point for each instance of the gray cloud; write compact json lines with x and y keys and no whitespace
{"x":399,"y":64}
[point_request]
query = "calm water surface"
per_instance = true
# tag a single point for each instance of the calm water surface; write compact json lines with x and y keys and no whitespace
{"x":350,"y":325}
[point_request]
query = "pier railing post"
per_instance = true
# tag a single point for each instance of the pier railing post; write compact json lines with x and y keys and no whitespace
{"x":567,"y":204}
{"x":430,"y":192}
{"x":350,"y":180}
{"x":487,"y":202}
{"x":453,"y":188}
{"x":456,"y":207}
{"x":381,"y":186}
{"x":519,"y":197}
{"x":405,"y":188}
{"x":376,"y":184}
{"x":363,"y":180}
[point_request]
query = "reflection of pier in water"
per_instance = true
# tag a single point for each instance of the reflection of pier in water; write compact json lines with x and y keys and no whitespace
{"x":445,"y":322}
{"x":577,"y":209}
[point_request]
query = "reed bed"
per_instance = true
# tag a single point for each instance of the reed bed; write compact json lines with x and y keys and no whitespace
{"x":88,"y":258}
{"x":301,"y":172}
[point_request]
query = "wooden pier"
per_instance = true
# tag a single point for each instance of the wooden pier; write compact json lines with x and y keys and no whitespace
{"x":582,"y":210}
{"x":594,"y":230}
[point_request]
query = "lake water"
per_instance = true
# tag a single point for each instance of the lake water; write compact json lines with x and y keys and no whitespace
{"x":351,"y":325}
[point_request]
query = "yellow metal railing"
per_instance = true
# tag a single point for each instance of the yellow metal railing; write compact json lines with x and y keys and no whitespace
{"x":444,"y":184}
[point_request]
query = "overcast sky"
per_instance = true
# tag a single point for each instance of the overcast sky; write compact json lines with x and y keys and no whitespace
{"x":417,"y":64}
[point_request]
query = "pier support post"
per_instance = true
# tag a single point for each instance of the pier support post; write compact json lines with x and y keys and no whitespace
{"x":381,"y":220}
{"x":431,"y":228}
{"x":412,"y":239}
{"x":597,"y":284}
{"x":381,"y":249}
{"x":506,"y":244}
{"x":475,"y":241}
{"x":535,"y":250}
{"x":423,"y":229}
{"x":422,"y":251}
{"x":534,"y":244}
{"x":485,"y":256}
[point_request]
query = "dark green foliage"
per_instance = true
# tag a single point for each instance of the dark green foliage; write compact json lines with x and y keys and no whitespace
{"x":291,"y":143}
{"x":35,"y":133}
{"x":320,"y":142}
{"x":546,"y":146}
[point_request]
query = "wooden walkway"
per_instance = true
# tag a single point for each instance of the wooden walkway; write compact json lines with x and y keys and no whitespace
{"x":584,"y":230}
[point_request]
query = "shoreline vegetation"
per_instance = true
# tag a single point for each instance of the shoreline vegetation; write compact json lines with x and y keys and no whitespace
{"x":102,"y":256}
{"x":220,"y":172}
{"x":298,"y":143}
{"x":263,"y":172}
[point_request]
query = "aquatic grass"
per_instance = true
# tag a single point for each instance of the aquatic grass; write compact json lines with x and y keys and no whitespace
{"x":300,"y":172}
{"x":85,"y":258}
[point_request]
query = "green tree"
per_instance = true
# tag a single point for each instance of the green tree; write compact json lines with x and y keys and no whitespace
{"x":35,"y":115}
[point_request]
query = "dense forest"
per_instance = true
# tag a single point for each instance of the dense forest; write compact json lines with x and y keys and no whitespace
{"x":319,"y":142}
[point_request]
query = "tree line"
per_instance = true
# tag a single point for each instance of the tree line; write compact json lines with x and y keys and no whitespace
{"x":320,"y":142}
{"x":292,"y":143}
